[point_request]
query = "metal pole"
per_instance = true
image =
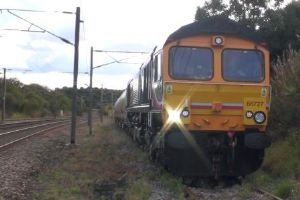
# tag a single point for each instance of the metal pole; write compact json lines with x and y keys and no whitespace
{"x":3,"y":95}
{"x":74,"y":98}
{"x":91,"y":95}
{"x":112,"y":103}
{"x":102,"y":107}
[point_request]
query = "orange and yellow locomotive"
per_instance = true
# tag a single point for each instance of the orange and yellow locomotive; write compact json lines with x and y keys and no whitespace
{"x":200,"y":103}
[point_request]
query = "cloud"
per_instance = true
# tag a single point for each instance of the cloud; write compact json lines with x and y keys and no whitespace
{"x":49,"y":56}
{"x":133,"y":25}
{"x":13,"y":56}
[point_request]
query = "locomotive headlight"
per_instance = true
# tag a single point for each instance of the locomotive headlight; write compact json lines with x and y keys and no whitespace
{"x":249,"y":114}
{"x":218,"y":40}
{"x":174,"y":115}
{"x":185,"y":113}
{"x":259,"y":117}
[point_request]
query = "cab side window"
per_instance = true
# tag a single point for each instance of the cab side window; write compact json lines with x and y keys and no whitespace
{"x":157,"y":68}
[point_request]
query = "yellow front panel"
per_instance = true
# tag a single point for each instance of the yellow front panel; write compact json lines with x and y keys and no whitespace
{"x":216,"y":107}
{"x":216,"y":104}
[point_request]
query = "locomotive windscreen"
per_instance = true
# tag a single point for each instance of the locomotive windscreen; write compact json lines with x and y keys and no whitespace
{"x":191,"y":63}
{"x":243,"y":65}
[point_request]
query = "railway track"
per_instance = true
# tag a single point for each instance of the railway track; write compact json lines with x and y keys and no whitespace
{"x":228,"y":193}
{"x":17,"y":131}
{"x":14,"y":124}
{"x":267,"y":194}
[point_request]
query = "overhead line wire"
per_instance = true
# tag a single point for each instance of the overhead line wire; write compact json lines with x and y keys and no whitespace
{"x":116,"y":61}
{"x":23,"y":30}
{"x":29,"y":10}
{"x":53,"y":34}
{"x":109,"y":51}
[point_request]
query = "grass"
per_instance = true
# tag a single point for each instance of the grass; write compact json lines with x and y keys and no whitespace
{"x":284,"y":188}
{"x":138,"y":190}
{"x":283,"y":158}
{"x":246,"y":191}
{"x":173,"y":182}
{"x":106,"y":165}
{"x":19,"y":116}
{"x":280,"y":172}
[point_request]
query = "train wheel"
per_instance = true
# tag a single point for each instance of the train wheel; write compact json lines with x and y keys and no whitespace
{"x":153,"y":153}
{"x":190,"y":181}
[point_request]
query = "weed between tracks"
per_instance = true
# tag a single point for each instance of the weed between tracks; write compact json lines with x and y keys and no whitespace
{"x":106,"y":165}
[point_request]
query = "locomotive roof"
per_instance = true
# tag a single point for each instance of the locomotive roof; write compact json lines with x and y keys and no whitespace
{"x":215,"y":25}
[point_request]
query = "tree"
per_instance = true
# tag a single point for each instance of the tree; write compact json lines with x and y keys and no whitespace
{"x":216,"y":7}
{"x":34,"y":105}
{"x":59,"y":102}
{"x":37,"y":101}
{"x":14,"y":95}
{"x":201,"y":13}
{"x":292,"y":24}
{"x":280,"y":27}
{"x":247,"y":12}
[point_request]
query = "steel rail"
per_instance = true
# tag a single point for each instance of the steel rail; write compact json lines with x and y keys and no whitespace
{"x":28,"y":128}
{"x":190,"y":194}
{"x":267,"y":193}
{"x":24,"y":120}
{"x":33,"y":134}
{"x":36,"y":133}
{"x":13,"y":125}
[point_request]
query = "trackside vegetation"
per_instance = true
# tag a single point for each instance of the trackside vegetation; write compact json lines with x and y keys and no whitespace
{"x":280,"y":173}
{"x":24,"y":101}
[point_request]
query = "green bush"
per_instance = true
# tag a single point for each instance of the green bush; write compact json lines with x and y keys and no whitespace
{"x":285,"y":106}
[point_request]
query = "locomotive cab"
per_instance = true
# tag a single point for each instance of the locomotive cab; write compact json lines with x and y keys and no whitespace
{"x":216,"y":103}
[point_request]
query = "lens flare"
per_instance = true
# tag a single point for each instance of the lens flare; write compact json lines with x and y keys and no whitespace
{"x":174,"y":116}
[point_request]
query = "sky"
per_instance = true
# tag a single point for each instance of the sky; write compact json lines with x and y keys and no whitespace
{"x":122,"y":25}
